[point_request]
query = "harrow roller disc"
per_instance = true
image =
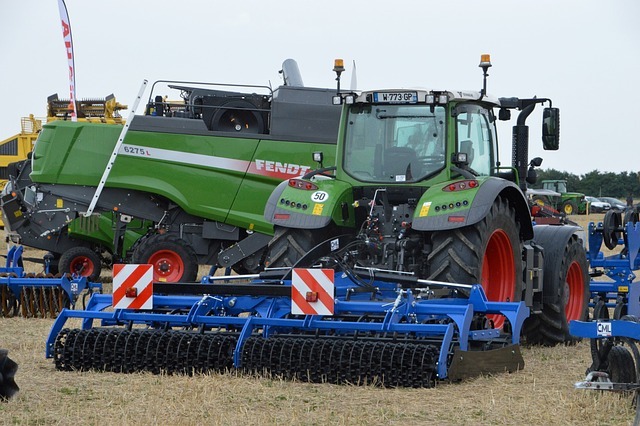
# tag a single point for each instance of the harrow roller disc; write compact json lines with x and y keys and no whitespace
{"x":9,"y":304}
{"x":59,"y":346}
{"x":98,"y":347}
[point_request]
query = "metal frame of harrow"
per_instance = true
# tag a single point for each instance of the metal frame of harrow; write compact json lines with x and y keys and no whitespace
{"x":623,"y":292}
{"x":618,"y":267}
{"x":264,"y":306}
{"x":15,"y":279}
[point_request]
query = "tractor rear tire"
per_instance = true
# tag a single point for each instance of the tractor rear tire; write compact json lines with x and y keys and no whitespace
{"x":81,"y":261}
{"x":565,"y":293}
{"x":289,"y":245}
{"x":488,"y":252}
{"x":173,"y":259}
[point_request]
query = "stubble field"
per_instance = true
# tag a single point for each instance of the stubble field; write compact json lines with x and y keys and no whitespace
{"x":541,"y":394}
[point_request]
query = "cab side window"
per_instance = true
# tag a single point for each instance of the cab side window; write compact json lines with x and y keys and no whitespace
{"x":475,"y":137}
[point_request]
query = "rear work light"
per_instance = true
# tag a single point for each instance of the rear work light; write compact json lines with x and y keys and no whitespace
{"x":302,"y":184}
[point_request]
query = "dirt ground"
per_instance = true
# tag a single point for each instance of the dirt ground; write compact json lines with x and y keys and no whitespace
{"x":541,"y":394}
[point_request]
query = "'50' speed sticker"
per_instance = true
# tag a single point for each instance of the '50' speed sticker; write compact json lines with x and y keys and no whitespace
{"x":319,"y":197}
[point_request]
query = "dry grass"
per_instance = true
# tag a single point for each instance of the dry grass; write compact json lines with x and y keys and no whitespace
{"x":541,"y":394}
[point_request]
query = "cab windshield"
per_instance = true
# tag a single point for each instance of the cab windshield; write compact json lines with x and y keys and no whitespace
{"x":394,"y":143}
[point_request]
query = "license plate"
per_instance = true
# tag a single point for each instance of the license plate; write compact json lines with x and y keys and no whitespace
{"x":395,"y":97}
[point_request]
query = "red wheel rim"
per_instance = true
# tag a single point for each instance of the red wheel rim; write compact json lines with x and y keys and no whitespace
{"x":167,"y":265}
{"x":498,"y":272}
{"x":573,"y":292}
{"x":82,"y":265}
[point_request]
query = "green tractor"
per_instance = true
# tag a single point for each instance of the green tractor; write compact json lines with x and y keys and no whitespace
{"x":563,"y":201}
{"x":418,"y":191}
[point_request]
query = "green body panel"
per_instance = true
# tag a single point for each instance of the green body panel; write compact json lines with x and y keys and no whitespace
{"x":100,"y":229}
{"x":226,"y":179}
{"x":459,"y":202}
{"x":328,"y":206}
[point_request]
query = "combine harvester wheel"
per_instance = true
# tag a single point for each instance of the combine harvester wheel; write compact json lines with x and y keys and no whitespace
{"x":37,"y":296}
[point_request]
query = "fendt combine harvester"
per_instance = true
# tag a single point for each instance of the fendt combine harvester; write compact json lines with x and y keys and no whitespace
{"x":615,"y":329}
{"x":84,"y":243}
{"x":399,"y":268}
{"x":199,"y":170}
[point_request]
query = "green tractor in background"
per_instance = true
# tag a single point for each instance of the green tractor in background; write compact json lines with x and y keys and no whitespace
{"x":418,"y":192}
{"x":559,"y":198}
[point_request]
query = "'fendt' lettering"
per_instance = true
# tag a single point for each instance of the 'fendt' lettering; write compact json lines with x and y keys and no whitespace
{"x":283,"y":168}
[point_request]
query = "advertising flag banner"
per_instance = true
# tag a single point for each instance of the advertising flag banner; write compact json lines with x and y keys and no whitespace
{"x":68,"y":44}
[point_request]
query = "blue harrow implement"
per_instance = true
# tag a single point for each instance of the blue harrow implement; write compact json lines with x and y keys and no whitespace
{"x":385,"y":328}
{"x":37,"y":295}
{"x":615,"y":329}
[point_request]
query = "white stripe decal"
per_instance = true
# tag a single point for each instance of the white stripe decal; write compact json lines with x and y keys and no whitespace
{"x":184,"y":157}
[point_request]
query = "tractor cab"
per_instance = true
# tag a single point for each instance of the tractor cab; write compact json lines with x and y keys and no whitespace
{"x":410,"y":136}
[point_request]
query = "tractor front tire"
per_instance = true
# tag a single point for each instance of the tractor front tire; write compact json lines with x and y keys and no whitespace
{"x":289,"y":245}
{"x":172,"y":258}
{"x":488,"y":252}
{"x":81,"y":261}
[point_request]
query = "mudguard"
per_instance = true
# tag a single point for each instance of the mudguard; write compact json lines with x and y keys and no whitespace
{"x":440,"y":208}
{"x":313,"y":208}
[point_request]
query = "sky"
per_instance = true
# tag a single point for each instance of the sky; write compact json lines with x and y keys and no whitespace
{"x":583,"y":54}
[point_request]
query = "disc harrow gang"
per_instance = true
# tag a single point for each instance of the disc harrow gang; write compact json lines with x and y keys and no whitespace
{"x":384,"y":335}
{"x":37,"y":295}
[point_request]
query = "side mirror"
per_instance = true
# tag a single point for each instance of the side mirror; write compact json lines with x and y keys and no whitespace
{"x":532,"y":175}
{"x":551,"y":129}
{"x":318,"y":156}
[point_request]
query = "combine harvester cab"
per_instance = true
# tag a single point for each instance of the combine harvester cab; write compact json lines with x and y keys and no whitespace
{"x":316,"y":325}
{"x":615,"y":337}
{"x":199,"y":169}
{"x":420,"y":190}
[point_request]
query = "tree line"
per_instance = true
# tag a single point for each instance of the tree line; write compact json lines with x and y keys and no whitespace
{"x":596,"y":183}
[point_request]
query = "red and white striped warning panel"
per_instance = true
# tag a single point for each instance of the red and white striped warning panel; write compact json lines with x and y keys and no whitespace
{"x":132,"y":286}
{"x":312,"y":291}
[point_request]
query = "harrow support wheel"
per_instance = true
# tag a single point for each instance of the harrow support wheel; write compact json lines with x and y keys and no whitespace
{"x":565,"y":288}
{"x":172,"y":258}
{"x":81,"y":261}
{"x":621,"y":368}
{"x":487,"y":252}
